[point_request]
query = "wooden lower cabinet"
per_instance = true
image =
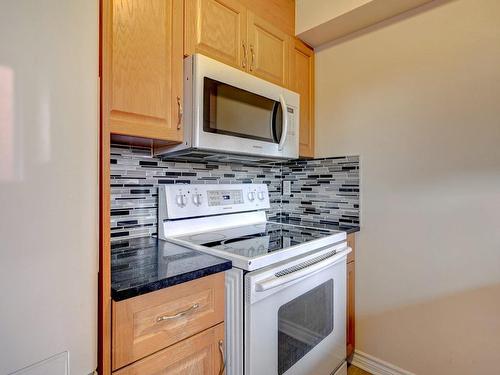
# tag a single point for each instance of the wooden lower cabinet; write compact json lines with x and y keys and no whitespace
{"x":201,"y":354}
{"x":351,"y":307}
{"x":352,"y":244}
{"x":145,"y":324}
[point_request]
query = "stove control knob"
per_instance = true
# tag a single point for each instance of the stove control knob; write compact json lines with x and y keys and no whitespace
{"x":251,"y":196}
{"x":181,"y":200}
{"x":260,"y":195}
{"x":197,"y":199}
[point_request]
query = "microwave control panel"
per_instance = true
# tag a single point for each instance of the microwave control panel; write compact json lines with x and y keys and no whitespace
{"x":291,"y":120}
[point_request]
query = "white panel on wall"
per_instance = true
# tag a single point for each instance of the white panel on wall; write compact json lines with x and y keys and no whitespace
{"x":55,"y":365}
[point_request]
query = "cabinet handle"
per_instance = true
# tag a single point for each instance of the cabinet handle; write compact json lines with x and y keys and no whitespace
{"x":253,"y":57}
{"x":178,"y":315}
{"x":222,"y":359}
{"x":244,"y":62}
{"x":180,"y":113}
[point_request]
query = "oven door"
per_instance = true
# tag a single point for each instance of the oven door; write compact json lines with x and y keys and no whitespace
{"x":235,"y":112}
{"x":295,"y":316}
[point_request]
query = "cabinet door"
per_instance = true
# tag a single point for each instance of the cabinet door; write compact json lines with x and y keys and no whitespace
{"x":350,"y":308}
{"x":268,"y":50}
{"x":217,"y":29}
{"x":201,"y":354}
{"x":302,"y":81}
{"x":142,"y":62}
{"x":145,"y":324}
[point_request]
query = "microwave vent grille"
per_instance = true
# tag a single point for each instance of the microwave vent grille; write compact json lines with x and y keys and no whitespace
{"x":194,"y":155}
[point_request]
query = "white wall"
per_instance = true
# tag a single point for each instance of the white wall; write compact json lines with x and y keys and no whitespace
{"x":419,"y":99}
{"x":48,"y":185}
{"x":322,"y":21}
{"x":311,"y":13}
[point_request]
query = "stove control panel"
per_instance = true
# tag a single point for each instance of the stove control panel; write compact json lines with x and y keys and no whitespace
{"x":225,"y":197}
{"x":183,"y":201}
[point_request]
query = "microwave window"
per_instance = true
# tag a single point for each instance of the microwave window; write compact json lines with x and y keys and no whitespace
{"x":232,"y":111}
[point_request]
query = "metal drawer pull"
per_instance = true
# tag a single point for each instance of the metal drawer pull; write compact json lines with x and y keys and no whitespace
{"x":252,"y":64}
{"x":244,"y":62}
{"x":222,"y":359}
{"x":180,"y":113}
{"x":178,"y":315}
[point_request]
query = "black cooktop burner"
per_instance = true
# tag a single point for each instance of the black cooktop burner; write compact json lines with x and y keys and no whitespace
{"x":266,"y":238}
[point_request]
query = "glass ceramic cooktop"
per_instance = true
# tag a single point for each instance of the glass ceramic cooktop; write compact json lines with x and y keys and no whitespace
{"x":255,"y":240}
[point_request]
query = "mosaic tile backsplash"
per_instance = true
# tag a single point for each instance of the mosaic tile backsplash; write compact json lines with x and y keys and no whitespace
{"x":323,"y":191}
{"x":135,"y":176}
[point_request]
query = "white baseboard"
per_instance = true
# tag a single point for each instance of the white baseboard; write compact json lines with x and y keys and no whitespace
{"x":375,"y":365}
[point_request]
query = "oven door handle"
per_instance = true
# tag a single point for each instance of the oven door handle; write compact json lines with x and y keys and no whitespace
{"x":274,"y":282}
{"x":284,"y":129}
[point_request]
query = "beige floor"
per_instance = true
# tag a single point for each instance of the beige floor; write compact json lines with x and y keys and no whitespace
{"x":352,"y":370}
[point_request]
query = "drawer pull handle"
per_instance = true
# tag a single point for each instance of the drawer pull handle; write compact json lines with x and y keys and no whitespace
{"x":178,"y":315}
{"x":222,"y":359}
{"x":244,"y":62}
{"x":180,"y":113}
{"x":252,"y":64}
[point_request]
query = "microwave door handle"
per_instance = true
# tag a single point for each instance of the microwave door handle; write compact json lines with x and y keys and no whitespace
{"x":275,"y":282}
{"x":284,"y":130}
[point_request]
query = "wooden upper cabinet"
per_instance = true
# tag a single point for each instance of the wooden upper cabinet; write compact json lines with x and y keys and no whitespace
{"x":268,"y":50}
{"x":236,"y":33}
{"x":142,"y":62}
{"x":216,"y":28}
{"x":227,"y":31}
{"x":281,"y":13}
{"x":302,"y":81}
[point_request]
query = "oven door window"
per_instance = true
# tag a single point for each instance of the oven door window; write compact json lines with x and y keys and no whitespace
{"x":303,"y":323}
{"x":232,"y":111}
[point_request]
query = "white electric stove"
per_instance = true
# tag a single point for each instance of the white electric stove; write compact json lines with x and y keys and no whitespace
{"x":285,"y":296}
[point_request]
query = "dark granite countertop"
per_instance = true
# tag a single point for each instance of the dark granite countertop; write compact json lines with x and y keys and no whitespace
{"x":314,"y":224}
{"x":142,"y":265}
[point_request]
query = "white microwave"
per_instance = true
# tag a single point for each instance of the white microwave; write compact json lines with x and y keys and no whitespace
{"x":230,"y":115}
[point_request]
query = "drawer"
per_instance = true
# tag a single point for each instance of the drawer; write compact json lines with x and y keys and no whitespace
{"x":201,"y":354}
{"x":145,"y":324}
